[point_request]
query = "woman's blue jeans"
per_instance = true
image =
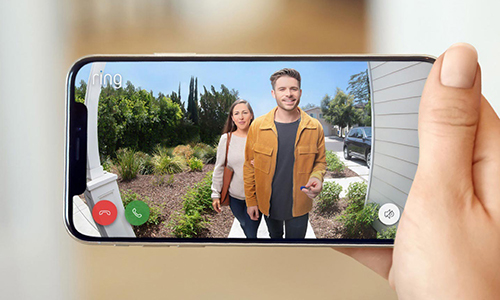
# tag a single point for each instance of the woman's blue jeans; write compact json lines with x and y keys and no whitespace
{"x":239,"y":209}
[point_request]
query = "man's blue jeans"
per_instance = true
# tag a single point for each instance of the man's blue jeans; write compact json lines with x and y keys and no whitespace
{"x":295,"y":228}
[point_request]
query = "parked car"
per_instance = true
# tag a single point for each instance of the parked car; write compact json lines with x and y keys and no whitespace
{"x":358,"y":144}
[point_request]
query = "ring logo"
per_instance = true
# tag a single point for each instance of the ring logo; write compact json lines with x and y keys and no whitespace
{"x":107,"y":79}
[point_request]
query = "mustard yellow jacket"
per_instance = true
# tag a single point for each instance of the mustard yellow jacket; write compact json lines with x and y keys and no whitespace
{"x":262,"y":146}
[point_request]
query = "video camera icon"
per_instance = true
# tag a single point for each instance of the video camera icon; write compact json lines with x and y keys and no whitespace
{"x":389,"y":214}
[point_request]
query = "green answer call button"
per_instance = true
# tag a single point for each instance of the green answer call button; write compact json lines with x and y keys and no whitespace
{"x":137,"y":212}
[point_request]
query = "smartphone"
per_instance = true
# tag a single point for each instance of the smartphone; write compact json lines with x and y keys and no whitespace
{"x":146,"y":138}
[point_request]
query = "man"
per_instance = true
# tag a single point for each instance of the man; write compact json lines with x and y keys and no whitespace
{"x":284,"y":161}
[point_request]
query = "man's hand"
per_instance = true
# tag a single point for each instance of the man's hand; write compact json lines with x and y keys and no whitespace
{"x":253,"y":212}
{"x":449,"y":234}
{"x":313,"y":187}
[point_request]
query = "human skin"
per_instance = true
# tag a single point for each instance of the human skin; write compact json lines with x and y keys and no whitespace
{"x":241,"y":117}
{"x":448,"y":240}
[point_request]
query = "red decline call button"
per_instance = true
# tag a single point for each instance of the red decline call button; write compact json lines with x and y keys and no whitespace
{"x":104,"y":212}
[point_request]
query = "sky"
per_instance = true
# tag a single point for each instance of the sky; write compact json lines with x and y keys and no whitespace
{"x":250,"y":79}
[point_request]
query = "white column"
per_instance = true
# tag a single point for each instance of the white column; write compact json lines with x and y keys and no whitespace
{"x":101,"y":185}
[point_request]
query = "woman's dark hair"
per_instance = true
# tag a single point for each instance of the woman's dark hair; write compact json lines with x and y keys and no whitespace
{"x":230,"y":126}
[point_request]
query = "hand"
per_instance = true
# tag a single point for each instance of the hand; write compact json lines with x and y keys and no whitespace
{"x":216,"y":204}
{"x":448,"y":238}
{"x":253,"y":212}
{"x":313,"y":187}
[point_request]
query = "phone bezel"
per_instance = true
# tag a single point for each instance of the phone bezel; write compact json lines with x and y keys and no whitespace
{"x":200,"y":242}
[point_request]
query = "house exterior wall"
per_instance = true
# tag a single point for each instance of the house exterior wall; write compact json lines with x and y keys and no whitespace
{"x":327,"y":128}
{"x":396,"y":88}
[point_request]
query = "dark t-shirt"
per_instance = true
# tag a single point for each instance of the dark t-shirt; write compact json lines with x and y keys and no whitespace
{"x":282,"y":186}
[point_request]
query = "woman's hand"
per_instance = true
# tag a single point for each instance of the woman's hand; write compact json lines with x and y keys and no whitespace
{"x":448,"y":240}
{"x":216,"y":204}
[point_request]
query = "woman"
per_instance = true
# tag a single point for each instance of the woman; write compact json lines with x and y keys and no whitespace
{"x":238,"y":121}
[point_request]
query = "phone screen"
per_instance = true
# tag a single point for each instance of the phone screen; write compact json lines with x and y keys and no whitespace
{"x":322,"y":150}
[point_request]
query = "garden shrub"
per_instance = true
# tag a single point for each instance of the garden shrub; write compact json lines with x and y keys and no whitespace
{"x":207,"y":153}
{"x":329,"y":196}
{"x":189,"y":222}
{"x":147,"y":164}
{"x":128,"y":164}
{"x":358,"y":217}
{"x":195,"y":164}
{"x":199,"y":197}
{"x":187,"y":225}
{"x":356,"y":192}
{"x":165,"y":164}
{"x":184,"y":151}
{"x":388,"y":233}
{"x":333,"y":162}
{"x":107,"y":164}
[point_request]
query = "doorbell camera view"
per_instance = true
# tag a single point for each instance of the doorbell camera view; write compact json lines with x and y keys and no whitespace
{"x":247,"y":150}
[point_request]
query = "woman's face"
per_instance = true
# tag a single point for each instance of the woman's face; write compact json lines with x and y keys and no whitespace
{"x":241,"y":116}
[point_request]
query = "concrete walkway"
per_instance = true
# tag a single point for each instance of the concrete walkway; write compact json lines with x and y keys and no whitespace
{"x":262,"y":232}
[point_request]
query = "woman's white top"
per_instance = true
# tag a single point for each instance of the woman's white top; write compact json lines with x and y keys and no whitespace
{"x":235,"y":160}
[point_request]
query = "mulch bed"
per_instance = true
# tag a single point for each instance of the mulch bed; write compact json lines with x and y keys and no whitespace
{"x":326,"y":226}
{"x":346,"y":173}
{"x":169,"y":198}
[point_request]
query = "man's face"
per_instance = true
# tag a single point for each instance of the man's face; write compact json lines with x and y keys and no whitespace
{"x":287,"y":93}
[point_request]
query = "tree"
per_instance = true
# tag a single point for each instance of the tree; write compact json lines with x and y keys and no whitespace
{"x":192,"y":109}
{"x":214,"y":109}
{"x":359,"y":88}
{"x":340,"y":110}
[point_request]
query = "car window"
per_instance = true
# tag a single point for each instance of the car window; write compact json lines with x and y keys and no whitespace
{"x":352,"y":133}
{"x":368,"y":132}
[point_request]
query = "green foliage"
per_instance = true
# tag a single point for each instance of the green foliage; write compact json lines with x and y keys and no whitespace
{"x":187,"y":225}
{"x":359,"y":88}
{"x":193,"y":109}
{"x":147,"y":164}
{"x":165,"y":164}
{"x":329,"y":196}
{"x":358,"y":217}
{"x":195,"y":164}
{"x":333,"y":162}
{"x":107,"y":164}
{"x":199,"y":197}
{"x":197,"y":201}
{"x":128,"y":164}
{"x":340,"y":110}
{"x":133,"y":118}
{"x":214,"y":109}
{"x":206,"y":153}
{"x":356,"y":192}
{"x":388,"y":233}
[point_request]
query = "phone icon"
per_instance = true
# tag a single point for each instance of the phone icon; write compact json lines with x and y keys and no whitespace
{"x":104,"y":211}
{"x":137,"y":212}
{"x":138,"y":215}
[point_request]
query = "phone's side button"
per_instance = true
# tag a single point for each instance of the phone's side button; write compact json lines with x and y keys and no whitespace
{"x":120,"y":245}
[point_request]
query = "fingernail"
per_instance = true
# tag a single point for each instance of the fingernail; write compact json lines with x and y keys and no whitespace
{"x":459,"y":66}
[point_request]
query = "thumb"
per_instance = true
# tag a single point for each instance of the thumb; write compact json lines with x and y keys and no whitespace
{"x":448,"y":117}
